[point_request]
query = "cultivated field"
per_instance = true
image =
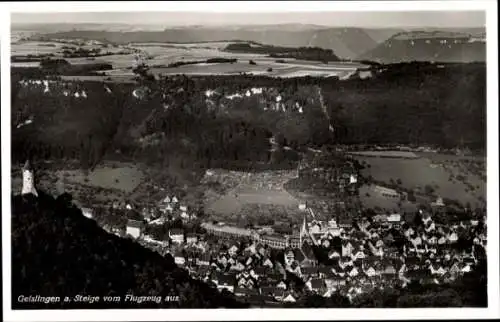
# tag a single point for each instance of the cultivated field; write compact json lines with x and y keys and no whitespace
{"x":159,"y":55}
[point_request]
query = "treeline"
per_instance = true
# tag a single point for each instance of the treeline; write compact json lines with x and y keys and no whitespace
{"x":58,"y":252}
{"x":58,"y":66}
{"x":208,"y":61}
{"x":302,"y":53}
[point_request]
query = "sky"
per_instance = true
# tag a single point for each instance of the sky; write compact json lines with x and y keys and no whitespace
{"x":441,"y":19}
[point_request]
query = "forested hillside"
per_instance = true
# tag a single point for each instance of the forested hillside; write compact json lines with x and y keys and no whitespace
{"x":228,"y":121}
{"x":56,"y":251}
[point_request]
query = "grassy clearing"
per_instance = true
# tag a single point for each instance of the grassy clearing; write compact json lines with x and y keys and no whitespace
{"x":450,"y":178}
{"x":125,"y":178}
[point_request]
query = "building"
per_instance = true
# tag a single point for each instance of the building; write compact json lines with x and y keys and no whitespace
{"x":191,"y":238}
{"x":88,"y":212}
{"x":176,"y":235}
{"x":28,"y":180}
{"x":274,"y":241}
{"x":387,"y":192}
{"x":135,"y":228}
{"x":225,"y":231}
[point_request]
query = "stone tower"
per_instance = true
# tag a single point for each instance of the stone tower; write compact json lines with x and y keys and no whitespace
{"x":28,"y":180}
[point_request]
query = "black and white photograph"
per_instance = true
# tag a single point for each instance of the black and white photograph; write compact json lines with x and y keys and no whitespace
{"x":219,"y":159}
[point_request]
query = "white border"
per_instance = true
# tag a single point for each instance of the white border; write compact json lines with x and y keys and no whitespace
{"x":492,"y":311}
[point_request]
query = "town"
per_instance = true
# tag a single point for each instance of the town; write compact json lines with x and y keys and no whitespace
{"x":345,"y":252}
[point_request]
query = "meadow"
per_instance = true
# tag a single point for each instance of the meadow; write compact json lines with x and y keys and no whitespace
{"x":125,"y":178}
{"x":448,"y":177}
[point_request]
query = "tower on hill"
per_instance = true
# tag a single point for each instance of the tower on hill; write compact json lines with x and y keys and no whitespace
{"x":28,"y":180}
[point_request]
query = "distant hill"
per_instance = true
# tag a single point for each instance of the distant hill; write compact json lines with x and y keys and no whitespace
{"x":56,"y":251}
{"x":439,"y":46}
{"x":347,"y":42}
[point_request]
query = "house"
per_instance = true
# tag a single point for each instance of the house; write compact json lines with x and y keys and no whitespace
{"x":176,"y":235}
{"x":347,"y":249}
{"x":316,"y":285}
{"x":289,"y":298}
{"x":233,"y":250}
{"x":135,"y":228}
{"x":345,"y":223}
{"x":353,"y":272}
{"x":88,"y":212}
{"x":360,"y":254}
{"x":333,"y":254}
{"x":174,"y":199}
{"x":225,"y":281}
{"x":289,"y":257}
{"x":179,"y":258}
{"x":394,"y":219}
{"x":278,"y":293}
{"x":310,"y":272}
{"x":370,"y":272}
{"x":203,"y":260}
{"x":245,"y":292}
{"x":452,"y":238}
{"x":417,"y":241}
{"x":237,"y":266}
{"x":191,"y":238}
{"x":409,"y":232}
{"x":268,"y":263}
{"x":282,"y":285}
{"x":389,"y":270}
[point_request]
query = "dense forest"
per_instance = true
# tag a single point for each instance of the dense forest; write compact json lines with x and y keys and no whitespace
{"x":174,"y":121}
{"x":302,"y":53}
{"x":58,"y":252}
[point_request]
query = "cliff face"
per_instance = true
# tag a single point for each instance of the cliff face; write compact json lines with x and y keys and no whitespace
{"x":58,"y":252}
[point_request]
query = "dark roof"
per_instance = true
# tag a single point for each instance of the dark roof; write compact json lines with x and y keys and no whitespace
{"x":135,"y":223}
{"x":309,"y":270}
{"x":308,"y":251}
{"x":246,"y":291}
{"x":267,"y":290}
{"x":317,"y":283}
{"x":176,"y":231}
{"x":226,"y":279}
{"x":298,"y":255}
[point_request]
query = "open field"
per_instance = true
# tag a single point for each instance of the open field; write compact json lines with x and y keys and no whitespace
{"x":452,"y":180}
{"x":125,"y":178}
{"x":159,"y":55}
{"x":238,"y":189}
{"x":36,"y":48}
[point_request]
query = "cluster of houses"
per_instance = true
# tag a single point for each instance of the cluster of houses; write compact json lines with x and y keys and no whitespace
{"x":358,"y":256}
